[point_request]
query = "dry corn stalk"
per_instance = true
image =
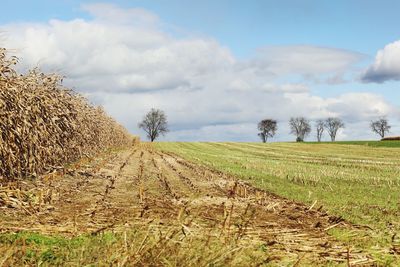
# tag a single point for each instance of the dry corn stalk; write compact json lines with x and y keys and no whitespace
{"x":43,"y":124}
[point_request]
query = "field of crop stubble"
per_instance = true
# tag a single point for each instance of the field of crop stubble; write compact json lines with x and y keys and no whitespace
{"x":357,"y":181}
{"x":144,"y":206}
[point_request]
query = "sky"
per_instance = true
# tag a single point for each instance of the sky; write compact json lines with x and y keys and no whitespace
{"x":218,"y":67}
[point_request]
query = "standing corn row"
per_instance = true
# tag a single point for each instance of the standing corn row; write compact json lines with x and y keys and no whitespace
{"x":43,"y":124}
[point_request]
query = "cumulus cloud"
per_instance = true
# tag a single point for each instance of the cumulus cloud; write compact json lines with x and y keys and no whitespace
{"x":355,"y":107}
{"x":125,"y":61}
{"x":386,"y":65}
{"x":99,"y":56}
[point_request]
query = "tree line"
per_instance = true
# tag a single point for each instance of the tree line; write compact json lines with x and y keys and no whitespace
{"x":300,"y":127}
{"x":155,"y":123}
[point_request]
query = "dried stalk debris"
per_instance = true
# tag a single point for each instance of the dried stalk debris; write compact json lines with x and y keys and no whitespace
{"x":43,"y":124}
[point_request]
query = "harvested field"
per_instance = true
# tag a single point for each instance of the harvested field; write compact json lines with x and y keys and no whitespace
{"x":358,"y":181}
{"x":163,"y":210}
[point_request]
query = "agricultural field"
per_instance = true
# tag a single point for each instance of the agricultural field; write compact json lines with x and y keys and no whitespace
{"x":179,"y":204}
{"x":356,"y":181}
{"x":91,"y":92}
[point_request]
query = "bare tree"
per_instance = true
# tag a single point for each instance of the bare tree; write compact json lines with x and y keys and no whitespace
{"x":320,"y":126}
{"x":267,"y":129}
{"x":333,"y":125}
{"x":300,"y":127}
{"x":154,"y":123}
{"x":380,"y":127}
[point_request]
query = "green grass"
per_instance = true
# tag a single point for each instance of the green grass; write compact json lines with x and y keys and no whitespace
{"x":362,"y":143}
{"x":354,"y":180}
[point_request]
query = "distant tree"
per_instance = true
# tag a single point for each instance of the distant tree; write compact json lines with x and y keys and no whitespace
{"x":333,"y":125}
{"x":154,"y":123}
{"x":320,"y":126}
{"x":300,"y":127}
{"x":380,"y":127}
{"x":267,"y":129}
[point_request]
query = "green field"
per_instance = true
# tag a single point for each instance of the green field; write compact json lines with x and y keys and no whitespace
{"x":359,"y":181}
{"x":363,"y":143}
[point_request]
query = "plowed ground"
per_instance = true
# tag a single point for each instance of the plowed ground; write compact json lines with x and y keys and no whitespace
{"x":142,"y":185}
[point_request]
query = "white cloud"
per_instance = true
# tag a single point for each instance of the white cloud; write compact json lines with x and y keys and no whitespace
{"x":110,"y":13}
{"x":238,"y":132}
{"x":286,"y":88}
{"x":124,"y":60}
{"x":99,"y":56}
{"x":386,"y":66}
{"x":305,"y":60}
{"x":355,"y":107}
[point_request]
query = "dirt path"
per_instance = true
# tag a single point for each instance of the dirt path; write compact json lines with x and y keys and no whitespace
{"x":144,"y":185}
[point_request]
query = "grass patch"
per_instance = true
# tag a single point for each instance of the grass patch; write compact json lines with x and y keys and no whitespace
{"x":362,"y":143}
{"x":145,"y":245}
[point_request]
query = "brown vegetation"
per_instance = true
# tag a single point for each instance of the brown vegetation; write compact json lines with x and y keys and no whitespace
{"x":392,"y":138}
{"x":44,"y":125}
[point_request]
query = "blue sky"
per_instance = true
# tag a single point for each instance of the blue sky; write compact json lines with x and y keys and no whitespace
{"x":362,"y":25}
{"x":265,"y":43}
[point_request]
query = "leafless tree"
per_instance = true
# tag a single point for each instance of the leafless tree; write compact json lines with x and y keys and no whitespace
{"x":380,"y":127}
{"x":320,"y":126}
{"x":267,"y":129}
{"x":333,"y":125}
{"x":300,"y":127}
{"x":154,"y":123}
